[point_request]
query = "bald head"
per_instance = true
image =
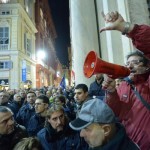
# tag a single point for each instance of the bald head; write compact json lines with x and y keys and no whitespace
{"x":17,"y":97}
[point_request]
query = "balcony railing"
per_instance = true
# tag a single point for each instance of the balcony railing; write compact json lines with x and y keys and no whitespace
{"x":3,"y":46}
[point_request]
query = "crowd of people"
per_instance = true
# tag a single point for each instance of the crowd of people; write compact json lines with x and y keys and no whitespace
{"x":109,"y":115}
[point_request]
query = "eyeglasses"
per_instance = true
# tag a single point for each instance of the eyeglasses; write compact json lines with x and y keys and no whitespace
{"x":38,"y":104}
{"x":133,"y":62}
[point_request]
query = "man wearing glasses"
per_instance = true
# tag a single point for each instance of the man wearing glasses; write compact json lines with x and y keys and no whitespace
{"x":128,"y":107}
{"x":36,"y":122}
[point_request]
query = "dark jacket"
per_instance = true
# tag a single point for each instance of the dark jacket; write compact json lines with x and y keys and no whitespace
{"x":68,"y":139}
{"x":119,"y":142}
{"x":69,"y":113}
{"x":36,"y":123}
{"x":6,"y":104}
{"x":24,"y":115}
{"x":7,"y":142}
{"x":15,"y":106}
{"x":79,"y":105}
{"x":96,"y":90}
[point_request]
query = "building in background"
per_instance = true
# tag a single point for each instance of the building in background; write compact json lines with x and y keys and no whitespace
{"x":17,"y":43}
{"x":45,"y":45}
{"x":59,"y":74}
{"x":71,"y":74}
{"x":27,"y":44}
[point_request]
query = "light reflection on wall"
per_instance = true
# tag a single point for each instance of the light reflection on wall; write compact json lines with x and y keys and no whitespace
{"x":4,"y":1}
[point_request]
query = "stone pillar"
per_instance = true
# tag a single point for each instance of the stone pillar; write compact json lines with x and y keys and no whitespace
{"x":112,"y":42}
{"x":15,"y":71}
{"x":84,"y":35}
{"x":138,"y":11}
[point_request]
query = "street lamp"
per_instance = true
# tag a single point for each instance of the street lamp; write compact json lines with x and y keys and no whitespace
{"x":41,"y":55}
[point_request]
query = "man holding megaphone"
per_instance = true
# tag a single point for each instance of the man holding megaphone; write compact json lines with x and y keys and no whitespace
{"x":131,"y":100}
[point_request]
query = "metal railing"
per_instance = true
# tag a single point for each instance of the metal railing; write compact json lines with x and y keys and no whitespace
{"x":3,"y":46}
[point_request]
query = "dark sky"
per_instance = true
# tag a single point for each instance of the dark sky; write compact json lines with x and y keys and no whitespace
{"x":60,"y":14}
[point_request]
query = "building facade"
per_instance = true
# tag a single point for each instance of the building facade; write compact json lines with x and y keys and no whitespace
{"x":17,"y":43}
{"x":26,"y":29}
{"x":45,"y":42}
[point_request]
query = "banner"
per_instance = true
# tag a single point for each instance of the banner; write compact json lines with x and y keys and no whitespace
{"x":24,"y":71}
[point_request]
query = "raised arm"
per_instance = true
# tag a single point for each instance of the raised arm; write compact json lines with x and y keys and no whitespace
{"x":114,"y":21}
{"x":139,"y":34}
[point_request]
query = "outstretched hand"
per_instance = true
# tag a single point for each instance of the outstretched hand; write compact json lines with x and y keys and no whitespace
{"x":113,"y":21}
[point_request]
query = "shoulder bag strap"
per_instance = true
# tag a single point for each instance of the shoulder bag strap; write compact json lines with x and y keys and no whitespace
{"x":144,"y":102}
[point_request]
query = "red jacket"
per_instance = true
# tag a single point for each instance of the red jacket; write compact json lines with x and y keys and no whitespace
{"x":130,"y":110}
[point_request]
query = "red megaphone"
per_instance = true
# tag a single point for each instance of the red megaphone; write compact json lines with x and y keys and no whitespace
{"x":94,"y":65}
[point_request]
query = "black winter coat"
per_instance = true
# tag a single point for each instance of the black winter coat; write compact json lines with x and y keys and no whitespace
{"x":119,"y":142}
{"x":7,"y":142}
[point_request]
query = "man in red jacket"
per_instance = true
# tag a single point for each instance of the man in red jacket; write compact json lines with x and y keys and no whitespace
{"x":130,"y":110}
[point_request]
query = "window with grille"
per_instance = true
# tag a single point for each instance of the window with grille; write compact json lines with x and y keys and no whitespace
{"x":27,"y":45}
{"x":4,"y":38}
{"x":28,"y":48}
{"x":6,"y":65}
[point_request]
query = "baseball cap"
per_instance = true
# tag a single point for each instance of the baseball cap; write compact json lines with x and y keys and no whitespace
{"x":93,"y":111}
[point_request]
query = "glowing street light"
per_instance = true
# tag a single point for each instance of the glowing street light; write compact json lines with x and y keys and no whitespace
{"x":41,"y":55}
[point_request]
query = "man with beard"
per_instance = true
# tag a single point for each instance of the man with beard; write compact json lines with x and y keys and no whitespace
{"x":131,"y":100}
{"x":10,"y":132}
{"x":57,"y":135}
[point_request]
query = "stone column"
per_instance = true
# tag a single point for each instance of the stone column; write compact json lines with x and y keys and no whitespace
{"x":84,"y":35}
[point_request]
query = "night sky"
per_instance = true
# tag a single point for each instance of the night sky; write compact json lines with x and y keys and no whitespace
{"x":60,"y":14}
